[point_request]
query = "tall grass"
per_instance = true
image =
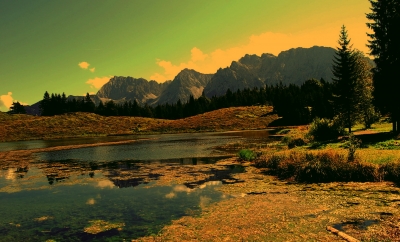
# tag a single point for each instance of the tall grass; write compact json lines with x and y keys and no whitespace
{"x":324,"y":166}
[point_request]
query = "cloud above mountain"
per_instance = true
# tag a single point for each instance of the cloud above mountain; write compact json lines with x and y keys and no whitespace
{"x":268,"y":42}
{"x":98,"y":82}
{"x":6,"y":101}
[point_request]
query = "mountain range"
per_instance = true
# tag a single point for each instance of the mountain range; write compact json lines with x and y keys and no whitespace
{"x":293,"y":66}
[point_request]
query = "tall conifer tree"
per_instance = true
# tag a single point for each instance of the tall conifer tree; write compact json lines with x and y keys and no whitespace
{"x":345,"y":81}
{"x":384,"y":44}
{"x":45,"y":104}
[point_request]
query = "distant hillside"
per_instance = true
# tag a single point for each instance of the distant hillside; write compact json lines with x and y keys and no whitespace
{"x":89,"y":124}
{"x":33,"y":109}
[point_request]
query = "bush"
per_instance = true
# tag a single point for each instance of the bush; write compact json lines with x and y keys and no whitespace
{"x":247,"y":155}
{"x":296,"y":142}
{"x":391,"y":171}
{"x":293,"y":140}
{"x":271,"y":162}
{"x":325,"y":129}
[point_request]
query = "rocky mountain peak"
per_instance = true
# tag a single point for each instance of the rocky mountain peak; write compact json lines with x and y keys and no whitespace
{"x":295,"y":66}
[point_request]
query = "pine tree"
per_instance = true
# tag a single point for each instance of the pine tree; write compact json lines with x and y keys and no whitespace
{"x":45,"y":105}
{"x":384,"y":44}
{"x":345,"y":79}
{"x":100,"y":109}
{"x":179,"y":110}
{"x":125,"y":109}
{"x":111,"y":108}
{"x":89,"y":105}
{"x":64,"y":106}
{"x":135,"y":109}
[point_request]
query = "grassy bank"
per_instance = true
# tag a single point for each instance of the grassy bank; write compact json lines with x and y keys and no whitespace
{"x":298,"y":157}
{"x":26,"y":127}
{"x":328,"y":166}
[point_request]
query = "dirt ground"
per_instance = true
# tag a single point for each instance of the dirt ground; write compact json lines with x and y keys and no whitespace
{"x":266,"y":209}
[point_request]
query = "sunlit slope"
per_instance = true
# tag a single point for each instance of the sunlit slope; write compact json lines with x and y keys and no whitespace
{"x":235,"y":118}
{"x":26,"y":127}
{"x":23,"y":127}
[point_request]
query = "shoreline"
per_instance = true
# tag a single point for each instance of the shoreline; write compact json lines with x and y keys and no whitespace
{"x":26,"y":155}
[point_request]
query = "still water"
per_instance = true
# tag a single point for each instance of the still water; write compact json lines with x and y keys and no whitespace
{"x":109,"y":193}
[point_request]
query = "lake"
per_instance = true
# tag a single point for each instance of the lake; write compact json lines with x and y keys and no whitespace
{"x":114,"y":192}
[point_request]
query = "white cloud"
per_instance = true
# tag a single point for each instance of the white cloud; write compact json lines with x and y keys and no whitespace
{"x":6,"y":101}
{"x":83,"y":65}
{"x":182,"y":188}
{"x":98,"y":82}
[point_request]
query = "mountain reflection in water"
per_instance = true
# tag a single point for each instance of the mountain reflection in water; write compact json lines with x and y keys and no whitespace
{"x":58,"y":199}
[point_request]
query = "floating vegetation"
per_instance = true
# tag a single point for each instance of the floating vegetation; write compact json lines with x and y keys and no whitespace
{"x":99,"y":226}
{"x":43,"y":218}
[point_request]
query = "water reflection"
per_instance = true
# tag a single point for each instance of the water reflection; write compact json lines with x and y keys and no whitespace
{"x":36,"y":144}
{"x":14,"y":173}
{"x":59,"y":195}
{"x":57,"y":200}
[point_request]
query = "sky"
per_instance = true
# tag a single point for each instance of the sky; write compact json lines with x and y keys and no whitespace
{"x":76,"y":46}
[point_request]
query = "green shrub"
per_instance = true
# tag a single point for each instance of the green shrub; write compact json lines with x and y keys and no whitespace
{"x":247,"y":155}
{"x":388,"y":145}
{"x":353,"y":145}
{"x":325,"y":129}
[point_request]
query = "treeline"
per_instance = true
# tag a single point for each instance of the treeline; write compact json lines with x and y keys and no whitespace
{"x":299,"y":104}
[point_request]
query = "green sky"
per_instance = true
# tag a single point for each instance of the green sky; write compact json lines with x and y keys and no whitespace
{"x":43,"y":41}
